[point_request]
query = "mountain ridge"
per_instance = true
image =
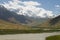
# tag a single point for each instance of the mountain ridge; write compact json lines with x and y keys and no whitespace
{"x":51,"y":23}
{"x":12,"y":16}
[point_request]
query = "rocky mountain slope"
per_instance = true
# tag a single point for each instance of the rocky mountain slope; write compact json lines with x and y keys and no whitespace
{"x":52,"y":23}
{"x":12,"y":16}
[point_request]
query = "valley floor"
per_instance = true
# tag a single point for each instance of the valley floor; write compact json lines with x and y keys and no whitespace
{"x":15,"y":31}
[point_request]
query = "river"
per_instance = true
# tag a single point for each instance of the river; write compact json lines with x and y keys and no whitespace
{"x":38,"y":36}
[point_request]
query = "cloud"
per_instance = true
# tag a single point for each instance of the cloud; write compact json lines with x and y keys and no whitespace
{"x":28,"y":8}
{"x":31,"y":3}
{"x":45,"y":13}
{"x":58,"y":6}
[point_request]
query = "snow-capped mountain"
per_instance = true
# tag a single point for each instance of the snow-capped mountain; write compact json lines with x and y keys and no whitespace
{"x":41,"y":13}
{"x":12,"y":16}
{"x":30,"y":8}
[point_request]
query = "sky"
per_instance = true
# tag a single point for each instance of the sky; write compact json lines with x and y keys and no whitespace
{"x":41,"y":8}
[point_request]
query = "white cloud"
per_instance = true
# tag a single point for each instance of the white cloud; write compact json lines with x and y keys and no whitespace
{"x":31,"y":3}
{"x":28,"y":8}
{"x":58,"y":6}
{"x":45,"y":13}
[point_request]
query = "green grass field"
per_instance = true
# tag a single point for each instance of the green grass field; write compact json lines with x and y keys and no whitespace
{"x":56,"y":37}
{"x":15,"y":31}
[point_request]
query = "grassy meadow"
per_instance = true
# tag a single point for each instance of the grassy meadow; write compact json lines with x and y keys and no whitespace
{"x":56,"y":37}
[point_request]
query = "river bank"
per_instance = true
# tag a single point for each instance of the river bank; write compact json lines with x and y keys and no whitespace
{"x":37,"y":36}
{"x":55,"y":37}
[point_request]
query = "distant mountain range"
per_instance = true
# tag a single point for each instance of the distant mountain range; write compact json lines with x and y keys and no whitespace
{"x":10,"y":16}
{"x":13,"y":17}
